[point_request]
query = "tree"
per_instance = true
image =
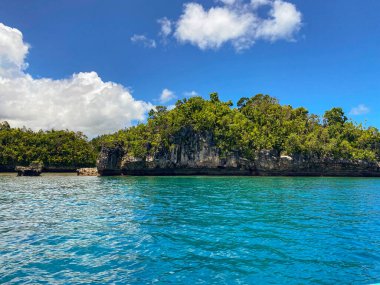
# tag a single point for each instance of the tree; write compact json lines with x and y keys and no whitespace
{"x":4,"y":125}
{"x":334,"y":116}
{"x":242,"y":102}
{"x":214,"y":97}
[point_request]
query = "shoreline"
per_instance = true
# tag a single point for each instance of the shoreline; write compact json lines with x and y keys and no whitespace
{"x":71,"y":174}
{"x":42,"y":174}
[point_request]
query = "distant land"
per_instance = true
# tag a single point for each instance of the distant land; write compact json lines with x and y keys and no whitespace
{"x":258,"y":136}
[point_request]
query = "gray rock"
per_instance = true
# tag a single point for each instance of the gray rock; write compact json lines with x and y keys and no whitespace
{"x":196,"y":154}
{"x":109,"y":160}
{"x":33,"y":169}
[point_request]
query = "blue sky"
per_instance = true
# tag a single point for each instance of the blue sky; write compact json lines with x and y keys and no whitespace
{"x":331,"y":57}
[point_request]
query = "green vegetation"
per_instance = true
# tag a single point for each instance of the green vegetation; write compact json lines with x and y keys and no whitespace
{"x":52,"y":148}
{"x":256,"y":123}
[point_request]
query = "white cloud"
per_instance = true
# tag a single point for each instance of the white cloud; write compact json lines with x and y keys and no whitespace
{"x":82,"y":102}
{"x":166,"y":96}
{"x":258,"y":3}
{"x":143,"y":40}
{"x":237,"y":22}
{"x":284,"y":21}
{"x":166,"y":27}
{"x":361,"y":109}
{"x":212,"y":28}
{"x":191,"y":94}
{"x":13,"y":51}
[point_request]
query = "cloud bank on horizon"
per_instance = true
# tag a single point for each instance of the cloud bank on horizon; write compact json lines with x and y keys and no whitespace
{"x":82,"y":102}
{"x":237,"y":22}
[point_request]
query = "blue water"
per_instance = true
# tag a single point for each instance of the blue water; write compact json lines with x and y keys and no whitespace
{"x":197,"y":230}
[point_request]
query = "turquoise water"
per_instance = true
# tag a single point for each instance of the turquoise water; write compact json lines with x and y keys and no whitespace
{"x":197,"y":230}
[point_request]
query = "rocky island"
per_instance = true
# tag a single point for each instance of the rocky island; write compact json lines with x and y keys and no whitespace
{"x":260,"y":137}
{"x":202,"y":157}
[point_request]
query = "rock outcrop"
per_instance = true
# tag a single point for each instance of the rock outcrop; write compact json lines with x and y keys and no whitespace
{"x":109,"y":161}
{"x":87,"y":171}
{"x":34,"y":169}
{"x":271,"y":163}
{"x":198,"y":155}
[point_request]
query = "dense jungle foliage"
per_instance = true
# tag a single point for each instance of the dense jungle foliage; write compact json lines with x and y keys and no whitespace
{"x":52,"y":148}
{"x":257,"y":123}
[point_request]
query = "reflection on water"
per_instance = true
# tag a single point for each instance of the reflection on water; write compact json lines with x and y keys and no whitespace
{"x":189,"y":230}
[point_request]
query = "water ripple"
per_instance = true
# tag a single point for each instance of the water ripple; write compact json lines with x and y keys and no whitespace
{"x":194,"y":230}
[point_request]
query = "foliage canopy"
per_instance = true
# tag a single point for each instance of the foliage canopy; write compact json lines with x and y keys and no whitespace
{"x":257,"y":123}
{"x":52,"y":148}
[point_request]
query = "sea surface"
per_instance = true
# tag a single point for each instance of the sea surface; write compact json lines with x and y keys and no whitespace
{"x":189,"y":230}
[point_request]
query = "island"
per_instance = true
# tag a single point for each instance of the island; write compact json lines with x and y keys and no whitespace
{"x":257,"y":136}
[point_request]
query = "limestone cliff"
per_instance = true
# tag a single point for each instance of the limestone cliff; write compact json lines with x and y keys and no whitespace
{"x":195,"y":156}
{"x":198,"y":155}
{"x":109,"y":161}
{"x":270,"y":163}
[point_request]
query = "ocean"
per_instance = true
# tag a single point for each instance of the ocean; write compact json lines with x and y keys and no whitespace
{"x":189,"y":230}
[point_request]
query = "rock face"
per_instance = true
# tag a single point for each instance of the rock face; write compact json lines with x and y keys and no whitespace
{"x":199,"y":156}
{"x":109,"y":161}
{"x":34,"y":169}
{"x":270,"y":163}
{"x":87,"y":171}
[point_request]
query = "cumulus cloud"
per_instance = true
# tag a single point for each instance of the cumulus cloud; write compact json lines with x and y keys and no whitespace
{"x":237,"y":22}
{"x":13,"y":51}
{"x":166,"y":96}
{"x":144,"y":41}
{"x":212,"y":28}
{"x":284,"y":21}
{"x":82,"y":102}
{"x":361,"y":109}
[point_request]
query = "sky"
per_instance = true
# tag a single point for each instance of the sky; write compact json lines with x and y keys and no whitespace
{"x":98,"y":66}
